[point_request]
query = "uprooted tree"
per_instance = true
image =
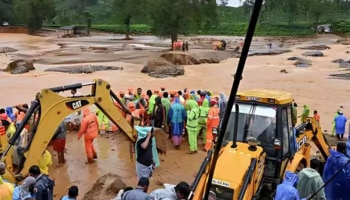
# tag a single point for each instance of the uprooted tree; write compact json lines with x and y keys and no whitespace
{"x":170,"y":18}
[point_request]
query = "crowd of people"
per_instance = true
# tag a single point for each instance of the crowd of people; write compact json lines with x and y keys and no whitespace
{"x":195,"y":114}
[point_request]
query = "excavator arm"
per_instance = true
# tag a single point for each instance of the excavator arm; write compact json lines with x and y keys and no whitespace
{"x":50,"y":109}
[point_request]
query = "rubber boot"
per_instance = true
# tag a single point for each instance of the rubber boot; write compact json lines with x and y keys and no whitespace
{"x":95,"y":156}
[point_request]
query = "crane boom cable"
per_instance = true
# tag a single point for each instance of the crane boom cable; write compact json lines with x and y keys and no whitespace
{"x":234,"y":89}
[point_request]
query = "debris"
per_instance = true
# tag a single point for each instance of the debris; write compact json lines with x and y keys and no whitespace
{"x":161,"y":68}
{"x":20,"y":66}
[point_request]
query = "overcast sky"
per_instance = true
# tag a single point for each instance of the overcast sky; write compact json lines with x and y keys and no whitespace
{"x":234,"y":3}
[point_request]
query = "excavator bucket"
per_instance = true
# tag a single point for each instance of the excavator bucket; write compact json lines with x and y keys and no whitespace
{"x":161,"y":139}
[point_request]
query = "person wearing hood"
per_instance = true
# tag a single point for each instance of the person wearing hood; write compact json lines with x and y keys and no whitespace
{"x":339,"y":186}
{"x":340,"y":123}
{"x":212,"y":122}
{"x":26,"y":190}
{"x":191,"y":101}
{"x":172,"y":192}
{"x":45,"y":162}
{"x":146,"y":152}
{"x":222,"y":104}
{"x":310,"y":181}
{"x":103,"y":121}
{"x":202,"y":96}
{"x":158,"y":115}
{"x":286,"y":190}
{"x":192,"y":127}
{"x":166,"y":103}
{"x":89,"y":128}
{"x":176,"y":118}
{"x":305,"y":114}
{"x":43,"y":184}
{"x":202,"y":120}
{"x":6,"y":190}
{"x":151,"y":103}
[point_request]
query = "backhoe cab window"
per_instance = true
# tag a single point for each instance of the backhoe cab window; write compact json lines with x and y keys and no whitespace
{"x":254,"y":121}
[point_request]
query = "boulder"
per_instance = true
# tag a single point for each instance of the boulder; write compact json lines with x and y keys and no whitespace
{"x":181,"y":58}
{"x":339,"y":61}
{"x":6,"y":50}
{"x":316,"y":47}
{"x":302,"y":63}
{"x":20,"y":66}
{"x":82,"y":69}
{"x":344,"y":65}
{"x":313,"y":53}
{"x":161,"y":68}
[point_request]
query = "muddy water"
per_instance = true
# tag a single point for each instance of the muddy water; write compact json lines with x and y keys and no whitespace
{"x":310,"y":86}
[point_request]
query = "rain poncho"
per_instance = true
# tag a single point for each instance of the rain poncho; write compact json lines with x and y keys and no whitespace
{"x":305,"y":114}
{"x":6,"y":190}
{"x":286,"y":190}
{"x":339,"y":187}
{"x":222,"y":104}
{"x":142,"y":133}
{"x":103,"y":121}
{"x":45,"y":162}
{"x":191,"y":101}
{"x":177,"y":116}
{"x":340,"y":122}
{"x":309,"y":182}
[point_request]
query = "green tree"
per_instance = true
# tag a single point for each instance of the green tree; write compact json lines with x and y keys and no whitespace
{"x":170,"y":18}
{"x":5,"y":10}
{"x":318,"y":9}
{"x":33,"y":12}
{"x":125,"y":10}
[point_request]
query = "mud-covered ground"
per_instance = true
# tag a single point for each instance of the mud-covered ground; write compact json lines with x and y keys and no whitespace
{"x":309,"y":85}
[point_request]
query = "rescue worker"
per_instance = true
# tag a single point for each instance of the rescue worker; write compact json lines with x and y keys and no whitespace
{"x":89,"y":128}
{"x":6,"y":190}
{"x":121,"y":96}
{"x":305,"y":114}
{"x":310,"y":181}
{"x":202,"y":120}
{"x":192,"y":127}
{"x":340,"y":124}
{"x":333,"y":122}
{"x":138,"y":93}
{"x":45,"y":162}
{"x":103,"y":121}
{"x":212,"y":122}
{"x":176,"y":118}
{"x":191,"y":101}
{"x":294,"y":113}
{"x":317,"y":117}
{"x":26,"y":190}
{"x":158,"y":115}
{"x":136,"y":113}
{"x":338,"y":187}
{"x":151,"y":102}
{"x":59,"y":143}
{"x":286,"y":190}
{"x":166,"y":103}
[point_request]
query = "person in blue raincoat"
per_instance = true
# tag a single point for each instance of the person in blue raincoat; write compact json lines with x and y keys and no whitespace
{"x":340,"y":123}
{"x":287,"y":189}
{"x":339,"y":187}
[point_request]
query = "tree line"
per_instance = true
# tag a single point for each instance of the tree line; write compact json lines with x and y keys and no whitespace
{"x":172,"y":17}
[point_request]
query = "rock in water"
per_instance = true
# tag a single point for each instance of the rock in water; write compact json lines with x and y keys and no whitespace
{"x":294,"y":58}
{"x":20,"y":66}
{"x":316,"y":47}
{"x":82,"y":69}
{"x":302,"y":63}
{"x":161,"y":68}
{"x":313,"y":53}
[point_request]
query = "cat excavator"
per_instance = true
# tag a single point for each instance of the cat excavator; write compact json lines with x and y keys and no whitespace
{"x":256,"y":142}
{"x":49,"y":109}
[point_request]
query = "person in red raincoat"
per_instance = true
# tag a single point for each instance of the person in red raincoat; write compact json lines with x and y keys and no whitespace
{"x":89,"y":128}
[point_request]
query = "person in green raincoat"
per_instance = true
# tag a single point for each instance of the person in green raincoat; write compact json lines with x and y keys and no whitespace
{"x":333,"y":122}
{"x":103,"y":121}
{"x":192,"y":127}
{"x":191,"y":101}
{"x":202,"y":120}
{"x":305,"y":114}
{"x":166,"y":103}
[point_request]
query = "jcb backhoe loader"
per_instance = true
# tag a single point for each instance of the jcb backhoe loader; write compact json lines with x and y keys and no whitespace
{"x":49,"y":109}
{"x":257,"y":143}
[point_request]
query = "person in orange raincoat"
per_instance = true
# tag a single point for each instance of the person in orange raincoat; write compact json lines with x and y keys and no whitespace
{"x":89,"y":128}
{"x":137,"y":113}
{"x":212,"y":122}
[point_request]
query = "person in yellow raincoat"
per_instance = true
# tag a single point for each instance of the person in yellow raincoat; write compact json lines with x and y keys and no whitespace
{"x":6,"y":189}
{"x":45,"y":162}
{"x":103,"y":121}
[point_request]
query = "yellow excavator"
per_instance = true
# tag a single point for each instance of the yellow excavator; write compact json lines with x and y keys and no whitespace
{"x":49,"y":109}
{"x":256,"y":142}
